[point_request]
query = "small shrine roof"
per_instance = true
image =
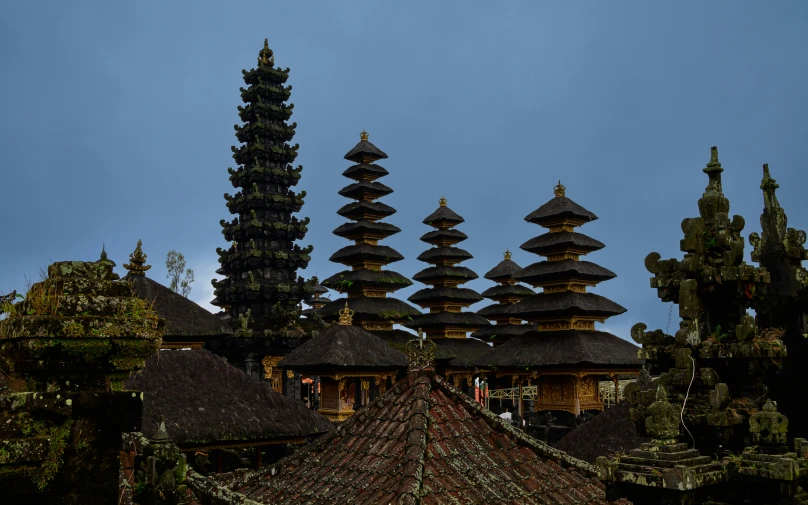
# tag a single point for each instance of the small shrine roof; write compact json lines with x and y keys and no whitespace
{"x":557,"y":241}
{"x":563,"y":348}
{"x":444,"y":214}
{"x":205,"y":400}
{"x":423,"y":442}
{"x":564,"y":269}
{"x":364,"y":151}
{"x":559,"y":207}
{"x":505,"y":269}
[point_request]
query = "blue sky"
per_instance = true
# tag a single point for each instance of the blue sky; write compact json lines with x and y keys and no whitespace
{"x":117,"y":122}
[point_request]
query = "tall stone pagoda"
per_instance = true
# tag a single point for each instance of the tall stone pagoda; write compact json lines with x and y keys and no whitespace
{"x":781,"y":251}
{"x":446,"y":323}
{"x":260,"y":292}
{"x":367,"y":283}
{"x":566,"y":356}
{"x":713,"y":396}
{"x":508,"y":292}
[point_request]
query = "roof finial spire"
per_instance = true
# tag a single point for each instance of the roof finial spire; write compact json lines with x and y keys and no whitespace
{"x":137,"y":261}
{"x":420,"y":356}
{"x":713,"y":171}
{"x":442,"y":202}
{"x":346,"y":315}
{"x":507,"y":254}
{"x":265,"y":56}
{"x":559,"y":190}
{"x":769,"y":186}
{"x":363,"y":135}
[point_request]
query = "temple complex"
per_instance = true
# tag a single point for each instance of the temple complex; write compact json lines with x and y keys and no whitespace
{"x":351,"y":365}
{"x":187,"y":324}
{"x":260,"y":292}
{"x":508,"y":292}
{"x":446,"y":323}
{"x":713,"y":396}
{"x":566,"y":356}
{"x":367,"y":283}
{"x":422,"y":442}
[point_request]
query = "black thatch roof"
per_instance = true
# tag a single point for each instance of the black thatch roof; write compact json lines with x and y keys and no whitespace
{"x":564,"y":303}
{"x":352,"y":254}
{"x":206,"y":400}
{"x":363,"y":228}
{"x":368,"y":278}
{"x":461,"y":295}
{"x":563,"y":348}
{"x":543,"y":271}
{"x":557,"y":208}
{"x":344,"y":347}
{"x":398,"y":339}
{"x":184,"y":318}
{"x":319,"y":289}
{"x":363,"y":210}
{"x":496,"y":310}
{"x":444,"y":253}
{"x":445,"y":215}
{"x":436,"y":237}
{"x":505,"y":270}
{"x":607,"y":433}
{"x":502,"y":331}
{"x":508,"y":291}
{"x":365,"y":170}
{"x":363,"y":151}
{"x":439,"y":273}
{"x":433,"y":320}
{"x":360,"y":190}
{"x":553,"y":242}
{"x":466,"y":351}
{"x":369,"y":309}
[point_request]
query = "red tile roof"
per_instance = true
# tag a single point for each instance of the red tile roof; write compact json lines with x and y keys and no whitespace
{"x":423,"y":442}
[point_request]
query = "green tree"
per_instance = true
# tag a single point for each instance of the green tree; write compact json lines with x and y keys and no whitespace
{"x":175,"y":264}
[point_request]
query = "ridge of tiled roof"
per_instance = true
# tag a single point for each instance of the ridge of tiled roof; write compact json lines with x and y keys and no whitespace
{"x":423,"y":442}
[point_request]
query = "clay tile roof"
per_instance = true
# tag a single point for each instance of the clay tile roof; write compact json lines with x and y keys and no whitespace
{"x":184,"y":318}
{"x":423,"y":442}
{"x":206,"y":400}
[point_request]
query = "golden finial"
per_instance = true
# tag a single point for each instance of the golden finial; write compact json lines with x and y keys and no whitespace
{"x":363,"y":135}
{"x":266,"y":54}
{"x":420,"y":356}
{"x":137,"y":261}
{"x":559,"y":190}
{"x":507,"y":254}
{"x":346,"y":315}
{"x":442,"y":202}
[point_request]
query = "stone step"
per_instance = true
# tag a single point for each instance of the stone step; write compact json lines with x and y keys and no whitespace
{"x":694,"y":461}
{"x":667,"y":456}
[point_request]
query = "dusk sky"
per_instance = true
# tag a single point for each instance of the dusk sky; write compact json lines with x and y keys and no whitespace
{"x":117,"y":122}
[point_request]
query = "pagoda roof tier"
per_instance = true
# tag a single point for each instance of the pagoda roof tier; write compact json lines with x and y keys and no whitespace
{"x":544,"y":272}
{"x":556,"y":242}
{"x":558,"y":209}
{"x":398,"y":339}
{"x":508,"y":291}
{"x":496,"y":311}
{"x":366,"y":210}
{"x":462,"y":274}
{"x":589,"y":349}
{"x":462,"y":296}
{"x":444,"y":237}
{"x":502,"y":331}
{"x":505,"y":270}
{"x":343,"y":347}
{"x":364,"y":190}
{"x":366,"y":229}
{"x":319,"y":299}
{"x":365,"y":172}
{"x":564,"y":303}
{"x":443,"y":217}
{"x":422,"y":442}
{"x":356,"y":254}
{"x":465,"y":351}
{"x":319,"y":289}
{"x":355,"y":280}
{"x":437,"y":254}
{"x":437,"y":320}
{"x":365,"y":151}
{"x":367,"y":309}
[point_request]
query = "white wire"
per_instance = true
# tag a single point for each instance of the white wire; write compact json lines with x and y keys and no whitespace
{"x":682,"y":414}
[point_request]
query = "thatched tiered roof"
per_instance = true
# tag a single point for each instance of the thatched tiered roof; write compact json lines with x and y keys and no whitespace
{"x":423,"y":442}
{"x":207,"y":402}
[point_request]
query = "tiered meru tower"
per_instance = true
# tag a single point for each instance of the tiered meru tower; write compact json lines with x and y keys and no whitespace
{"x":367,"y":284}
{"x":260,"y":289}
{"x":446,"y":323}
{"x":506,"y":293}
{"x":566,"y":354}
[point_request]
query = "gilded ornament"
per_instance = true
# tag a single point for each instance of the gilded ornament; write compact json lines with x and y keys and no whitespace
{"x":346,"y":315}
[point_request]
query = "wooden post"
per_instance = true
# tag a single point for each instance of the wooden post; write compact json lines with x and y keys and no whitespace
{"x":521,"y":409}
{"x":219,"y":461}
{"x":616,"y":389}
